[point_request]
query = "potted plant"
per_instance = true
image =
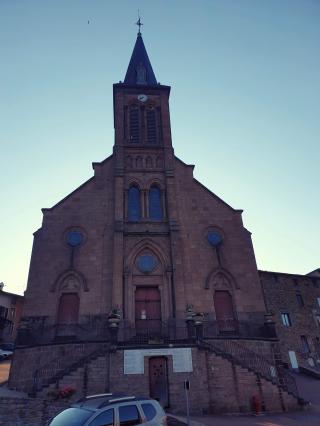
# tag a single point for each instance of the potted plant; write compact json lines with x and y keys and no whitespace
{"x":114,"y":317}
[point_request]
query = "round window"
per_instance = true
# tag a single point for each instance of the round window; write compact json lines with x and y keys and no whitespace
{"x":146,"y":263}
{"x":74,"y":238}
{"x":214,"y":239}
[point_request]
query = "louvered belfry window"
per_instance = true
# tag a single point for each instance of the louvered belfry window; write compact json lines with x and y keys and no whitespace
{"x":134,"y":204}
{"x":151,"y":126}
{"x":134,"y":125}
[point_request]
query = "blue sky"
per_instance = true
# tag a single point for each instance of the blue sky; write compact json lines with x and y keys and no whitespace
{"x":244,"y":109}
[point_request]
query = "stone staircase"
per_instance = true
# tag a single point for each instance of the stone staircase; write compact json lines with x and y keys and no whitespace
{"x":264,"y":372}
{"x":59,"y":373}
{"x":233,"y":365}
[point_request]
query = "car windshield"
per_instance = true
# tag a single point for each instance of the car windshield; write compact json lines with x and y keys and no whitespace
{"x":71,"y":417}
{"x":7,"y":347}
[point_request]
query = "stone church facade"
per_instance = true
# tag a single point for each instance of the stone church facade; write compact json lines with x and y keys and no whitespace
{"x":142,"y":278}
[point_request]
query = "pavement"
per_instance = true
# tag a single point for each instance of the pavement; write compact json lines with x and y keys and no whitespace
{"x":4,"y":371}
{"x":4,"y":375}
{"x":309,"y":390}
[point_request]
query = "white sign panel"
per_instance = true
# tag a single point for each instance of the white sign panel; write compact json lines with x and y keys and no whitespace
{"x":133,"y":362}
{"x":182,"y":360}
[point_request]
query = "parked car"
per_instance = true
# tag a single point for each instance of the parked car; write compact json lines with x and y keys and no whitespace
{"x":7,"y":346}
{"x":5,"y":354}
{"x":112,"y":410}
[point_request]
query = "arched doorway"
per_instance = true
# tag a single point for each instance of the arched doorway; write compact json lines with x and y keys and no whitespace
{"x":148,"y":311}
{"x":223,"y":306}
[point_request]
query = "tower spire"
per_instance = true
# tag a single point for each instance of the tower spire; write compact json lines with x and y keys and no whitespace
{"x":140,"y":70}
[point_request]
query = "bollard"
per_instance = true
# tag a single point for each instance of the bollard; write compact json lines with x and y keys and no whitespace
{"x":256,"y":405}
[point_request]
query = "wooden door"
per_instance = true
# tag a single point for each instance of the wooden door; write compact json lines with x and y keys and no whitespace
{"x":68,"y":313}
{"x":158,"y":379}
{"x":148,"y":310}
{"x":224,"y":311}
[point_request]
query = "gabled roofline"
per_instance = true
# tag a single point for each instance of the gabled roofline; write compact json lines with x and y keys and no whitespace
{"x":7,"y":293}
{"x":48,"y":209}
{"x":289,"y":274}
{"x":98,"y":163}
{"x":208,"y":190}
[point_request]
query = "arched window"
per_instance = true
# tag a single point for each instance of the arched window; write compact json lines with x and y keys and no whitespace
{"x":134,"y":125}
{"x":151,"y":126}
{"x":155,"y":203}
{"x":134,"y":204}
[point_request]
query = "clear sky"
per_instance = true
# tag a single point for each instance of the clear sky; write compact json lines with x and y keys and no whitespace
{"x":245,"y":109}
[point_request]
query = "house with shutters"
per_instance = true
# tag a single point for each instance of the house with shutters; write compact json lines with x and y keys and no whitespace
{"x":11,"y":306}
{"x":143,"y":278}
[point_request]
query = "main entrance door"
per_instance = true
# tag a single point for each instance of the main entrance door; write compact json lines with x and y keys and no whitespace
{"x":224,"y":311}
{"x":158,"y":375}
{"x":148,"y":310}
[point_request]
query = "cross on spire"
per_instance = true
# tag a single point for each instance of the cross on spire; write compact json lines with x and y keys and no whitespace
{"x":139,"y":23}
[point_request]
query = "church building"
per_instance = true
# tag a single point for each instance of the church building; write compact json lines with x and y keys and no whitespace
{"x":142,"y":279}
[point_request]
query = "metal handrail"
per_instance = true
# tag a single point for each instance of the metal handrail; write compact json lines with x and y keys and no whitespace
{"x":45,"y":373}
{"x":173,"y":329}
{"x":255,"y":362}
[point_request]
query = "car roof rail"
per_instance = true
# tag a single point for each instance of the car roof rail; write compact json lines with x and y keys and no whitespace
{"x":98,"y":395}
{"x":122,"y":398}
{"x":117,"y":399}
{"x":88,"y":397}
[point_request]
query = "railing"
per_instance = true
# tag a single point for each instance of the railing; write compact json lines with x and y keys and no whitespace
{"x":221,"y":338}
{"x":245,"y":357}
{"x":289,"y":383}
{"x":63,"y":363}
{"x":41,"y":335}
{"x":142,"y":331}
{"x":255,"y":362}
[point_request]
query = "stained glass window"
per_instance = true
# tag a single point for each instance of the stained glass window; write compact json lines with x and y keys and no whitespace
{"x":155,"y":203}
{"x":134,"y":206}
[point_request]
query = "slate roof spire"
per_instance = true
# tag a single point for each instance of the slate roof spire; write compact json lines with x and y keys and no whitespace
{"x":140,"y":71}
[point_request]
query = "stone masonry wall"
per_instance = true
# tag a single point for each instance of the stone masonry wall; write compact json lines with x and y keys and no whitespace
{"x":28,"y":411}
{"x":281,"y":292}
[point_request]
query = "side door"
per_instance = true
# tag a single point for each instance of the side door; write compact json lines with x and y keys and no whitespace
{"x":129,"y":415}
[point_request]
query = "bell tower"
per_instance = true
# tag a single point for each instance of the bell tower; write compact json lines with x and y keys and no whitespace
{"x":145,"y":199}
{"x":141,"y":116}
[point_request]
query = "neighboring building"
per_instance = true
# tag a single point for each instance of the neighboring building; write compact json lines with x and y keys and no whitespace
{"x":142,"y":278}
{"x":294,"y":301}
{"x":10,"y":313}
{"x":315,"y":273}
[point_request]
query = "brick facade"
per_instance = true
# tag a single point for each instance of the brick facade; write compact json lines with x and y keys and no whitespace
{"x":89,"y":251}
{"x":297,"y":297}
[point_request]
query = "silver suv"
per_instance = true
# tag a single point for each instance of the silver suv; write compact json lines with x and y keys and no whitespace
{"x":112,"y":410}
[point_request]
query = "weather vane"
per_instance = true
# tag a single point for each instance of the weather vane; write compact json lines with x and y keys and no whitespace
{"x":139,"y":23}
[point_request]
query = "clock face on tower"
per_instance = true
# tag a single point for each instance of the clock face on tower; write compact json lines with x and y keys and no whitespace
{"x":142,"y":98}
